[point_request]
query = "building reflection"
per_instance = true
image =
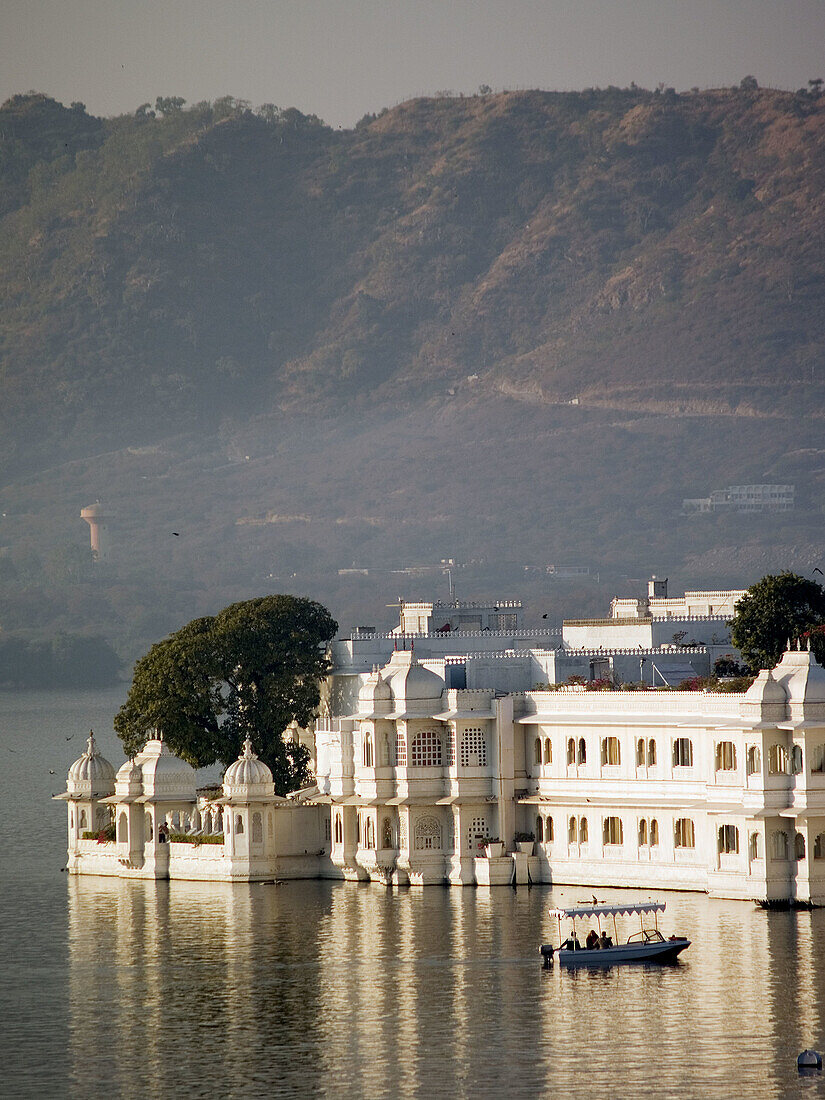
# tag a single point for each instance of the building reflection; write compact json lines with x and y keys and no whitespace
{"x":361,"y":990}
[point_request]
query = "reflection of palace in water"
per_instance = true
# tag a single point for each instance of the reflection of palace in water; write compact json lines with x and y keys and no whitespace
{"x":313,"y":987}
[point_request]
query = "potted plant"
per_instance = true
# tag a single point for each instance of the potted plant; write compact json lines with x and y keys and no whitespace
{"x":525,"y":842}
{"x":494,"y":848}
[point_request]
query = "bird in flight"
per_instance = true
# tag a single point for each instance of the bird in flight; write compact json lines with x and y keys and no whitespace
{"x":70,"y":737}
{"x":176,"y":534}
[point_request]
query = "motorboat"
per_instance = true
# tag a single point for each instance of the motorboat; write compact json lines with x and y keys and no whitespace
{"x":647,"y":945}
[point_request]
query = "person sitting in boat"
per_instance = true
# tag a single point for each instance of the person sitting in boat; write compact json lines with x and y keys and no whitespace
{"x":592,"y":941}
{"x":571,"y":943}
{"x":605,"y":940}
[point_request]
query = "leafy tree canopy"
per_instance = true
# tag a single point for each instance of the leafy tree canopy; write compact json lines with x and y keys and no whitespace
{"x":779,"y":607}
{"x":250,"y":670}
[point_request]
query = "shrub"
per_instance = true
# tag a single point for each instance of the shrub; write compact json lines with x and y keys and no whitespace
{"x":187,"y":838}
{"x":101,"y":835}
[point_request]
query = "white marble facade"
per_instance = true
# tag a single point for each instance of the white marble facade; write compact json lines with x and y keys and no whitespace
{"x":723,"y":793}
{"x":423,"y":783}
{"x":163,"y":828}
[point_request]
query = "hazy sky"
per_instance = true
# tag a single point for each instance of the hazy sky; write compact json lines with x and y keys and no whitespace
{"x":342,"y":58}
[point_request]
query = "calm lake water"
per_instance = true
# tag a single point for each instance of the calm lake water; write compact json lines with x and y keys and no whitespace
{"x":185,"y":990}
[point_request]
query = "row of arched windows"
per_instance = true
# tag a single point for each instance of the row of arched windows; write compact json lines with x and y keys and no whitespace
{"x":781,"y":849}
{"x":425,"y":749}
{"x":365,"y":828}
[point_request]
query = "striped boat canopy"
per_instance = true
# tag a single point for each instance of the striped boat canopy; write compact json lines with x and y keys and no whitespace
{"x":609,"y":910}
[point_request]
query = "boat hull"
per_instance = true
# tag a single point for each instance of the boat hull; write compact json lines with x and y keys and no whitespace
{"x":664,"y":951}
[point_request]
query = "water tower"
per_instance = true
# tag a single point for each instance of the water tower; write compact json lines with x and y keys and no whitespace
{"x":97,"y":516}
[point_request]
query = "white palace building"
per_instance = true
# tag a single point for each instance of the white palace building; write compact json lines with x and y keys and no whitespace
{"x":422,"y":782}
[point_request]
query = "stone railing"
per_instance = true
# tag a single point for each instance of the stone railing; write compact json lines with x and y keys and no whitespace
{"x":357,"y":635}
{"x":641,"y":702}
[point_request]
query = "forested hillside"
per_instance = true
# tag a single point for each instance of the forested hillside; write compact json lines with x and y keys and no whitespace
{"x":363,"y":344}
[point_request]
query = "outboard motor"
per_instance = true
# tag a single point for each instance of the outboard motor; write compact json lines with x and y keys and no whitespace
{"x":546,"y":951}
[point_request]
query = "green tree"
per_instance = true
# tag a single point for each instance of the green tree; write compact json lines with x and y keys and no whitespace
{"x":250,"y":670}
{"x":779,"y":607}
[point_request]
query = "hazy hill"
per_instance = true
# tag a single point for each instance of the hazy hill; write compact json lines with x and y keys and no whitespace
{"x":389,"y":322}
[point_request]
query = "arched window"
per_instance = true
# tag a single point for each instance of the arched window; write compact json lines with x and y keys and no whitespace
{"x":474,"y":748}
{"x":538,"y":750}
{"x":725,"y":756}
{"x":571,"y":751}
{"x":727,"y":839}
{"x":71,"y":819}
{"x":611,"y":751}
{"x":640,"y":753}
{"x":818,"y":759}
{"x":82,"y":822}
{"x":582,"y":830}
{"x":357,"y":828}
{"x":386,"y":834}
{"x":582,"y":753}
{"x":612,"y":831}
{"x":400,"y":749}
{"x":572,"y":831}
{"x":779,"y":845}
{"x":642,"y":833}
{"x":654,"y":833}
{"x":147,"y":826}
{"x":238,"y":823}
{"x":754,"y":763}
{"x":651,"y":752}
{"x":257,"y":829}
{"x":368,"y":757}
{"x":753,"y":846}
{"x":683,"y":833}
{"x":777,"y":760}
{"x":548,"y":751}
{"x":548,"y":830}
{"x":540,"y":829}
{"x":819,"y":846}
{"x":796,"y":759}
{"x":427,"y":834}
{"x":339,"y":831}
{"x":122,"y":829}
{"x":426,"y":750}
{"x":799,"y":846}
{"x":683,"y":753}
{"x":369,"y":833}
{"x":477,"y":832}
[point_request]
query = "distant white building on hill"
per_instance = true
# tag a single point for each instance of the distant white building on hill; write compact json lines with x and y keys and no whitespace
{"x":743,"y":498}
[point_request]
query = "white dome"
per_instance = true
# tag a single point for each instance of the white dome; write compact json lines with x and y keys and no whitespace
{"x":165,"y":776}
{"x":248,"y":775}
{"x":129,"y":779}
{"x":91,"y":775}
{"x":802,"y":677}
{"x":765,"y":689}
{"x":411,"y":682}
{"x":375,"y":693}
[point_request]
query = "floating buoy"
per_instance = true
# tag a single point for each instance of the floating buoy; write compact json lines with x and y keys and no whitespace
{"x":809,"y":1060}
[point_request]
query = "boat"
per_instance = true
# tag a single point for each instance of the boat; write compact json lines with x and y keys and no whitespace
{"x":647,"y":945}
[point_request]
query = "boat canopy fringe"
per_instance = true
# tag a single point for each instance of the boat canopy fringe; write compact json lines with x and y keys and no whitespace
{"x":609,"y":910}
